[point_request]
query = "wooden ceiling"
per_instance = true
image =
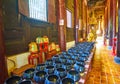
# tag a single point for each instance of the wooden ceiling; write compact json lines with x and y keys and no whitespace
{"x":97,"y":7}
{"x":96,"y":2}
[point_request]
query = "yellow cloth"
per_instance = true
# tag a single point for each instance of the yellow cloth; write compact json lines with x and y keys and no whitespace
{"x":90,"y":37}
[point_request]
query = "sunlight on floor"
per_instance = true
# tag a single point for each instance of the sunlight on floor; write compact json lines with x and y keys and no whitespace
{"x":104,"y":69}
{"x":99,"y":41}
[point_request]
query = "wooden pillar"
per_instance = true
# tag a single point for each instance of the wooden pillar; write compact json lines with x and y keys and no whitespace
{"x":114,"y":26}
{"x":61,"y":17}
{"x":110,"y":25}
{"x":114,"y":17}
{"x":76,"y":20}
{"x":118,"y":35}
{"x":80,"y":20}
{"x":86,"y":22}
{"x":85,"y":4}
{"x":84,"y":19}
{"x":3,"y":66}
{"x":117,"y":58}
{"x":105,"y":25}
{"x":106,"y":21}
{"x":82,"y":25}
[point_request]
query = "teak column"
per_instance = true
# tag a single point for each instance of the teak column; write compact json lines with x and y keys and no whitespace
{"x":108,"y":19}
{"x":105,"y":25}
{"x":76,"y":20}
{"x":114,"y":26}
{"x":84,"y":19}
{"x":110,"y":24}
{"x":117,"y":58}
{"x":61,"y":18}
{"x":106,"y":28}
{"x":3,"y":66}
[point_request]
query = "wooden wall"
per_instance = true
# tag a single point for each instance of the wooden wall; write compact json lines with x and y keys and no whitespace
{"x":19,"y":30}
{"x":70,"y":31}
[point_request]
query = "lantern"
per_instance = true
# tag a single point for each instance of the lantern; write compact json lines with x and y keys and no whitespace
{"x":33,"y":58}
{"x":39,"y":41}
{"x":33,"y":47}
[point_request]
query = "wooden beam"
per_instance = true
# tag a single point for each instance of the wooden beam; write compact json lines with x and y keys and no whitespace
{"x":3,"y":65}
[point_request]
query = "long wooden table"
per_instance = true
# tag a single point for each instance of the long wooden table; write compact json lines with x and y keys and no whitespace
{"x":19,"y":71}
{"x":83,"y":78}
{"x":88,"y":67}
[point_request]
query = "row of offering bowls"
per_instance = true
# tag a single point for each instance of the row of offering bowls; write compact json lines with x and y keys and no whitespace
{"x":64,"y":68}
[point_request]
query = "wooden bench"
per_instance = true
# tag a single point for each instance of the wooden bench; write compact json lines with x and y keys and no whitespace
{"x":19,"y":71}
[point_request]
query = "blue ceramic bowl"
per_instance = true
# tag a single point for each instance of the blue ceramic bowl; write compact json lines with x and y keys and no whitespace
{"x":73,"y":74}
{"x":69,"y":50}
{"x":77,"y":54}
{"x":58,"y":64}
{"x":40,"y":67}
{"x":80,"y":62}
{"x":75,"y":57}
{"x":80,"y":68}
{"x":28,"y":74}
{"x":67,"y":81}
{"x":82,"y":58}
{"x":64,"y":52}
{"x":68,"y":56}
{"x":49,"y":69}
{"x":49,"y":62}
{"x":63,"y":59}
{"x":67,"y":66}
{"x":52,"y":79}
{"x":55,"y":58}
{"x":87,"y":52}
{"x":13,"y":80}
{"x":26,"y":82}
{"x":40,"y":76}
{"x":69,"y":53}
{"x":71,"y":61}
{"x":61,"y":72}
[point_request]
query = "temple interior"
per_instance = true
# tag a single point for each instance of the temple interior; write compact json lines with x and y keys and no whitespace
{"x":59,"y":42}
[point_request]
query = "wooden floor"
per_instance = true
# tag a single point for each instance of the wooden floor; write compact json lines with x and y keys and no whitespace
{"x":104,"y":69}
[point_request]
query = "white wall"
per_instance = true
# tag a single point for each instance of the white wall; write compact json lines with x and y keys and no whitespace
{"x":70,"y":44}
{"x":20,"y":59}
{"x":16,"y":61}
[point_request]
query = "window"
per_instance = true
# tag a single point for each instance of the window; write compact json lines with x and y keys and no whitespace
{"x":69,"y":19}
{"x":38,"y":9}
{"x":35,"y":9}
